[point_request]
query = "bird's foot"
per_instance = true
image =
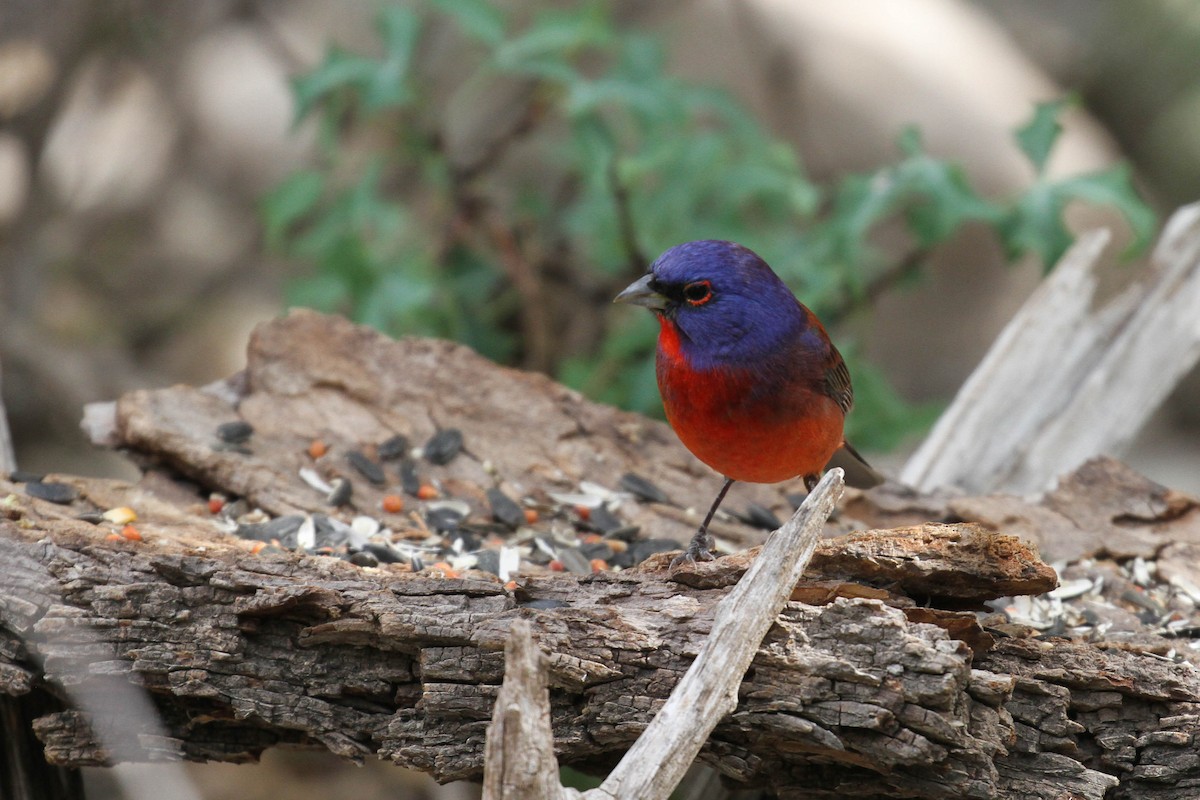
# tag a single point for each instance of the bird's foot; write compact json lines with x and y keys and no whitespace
{"x":699,"y":549}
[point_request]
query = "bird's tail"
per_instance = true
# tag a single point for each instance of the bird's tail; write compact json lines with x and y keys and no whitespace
{"x":859,"y":473}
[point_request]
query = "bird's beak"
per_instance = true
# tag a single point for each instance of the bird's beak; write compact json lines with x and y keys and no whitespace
{"x":640,"y":293}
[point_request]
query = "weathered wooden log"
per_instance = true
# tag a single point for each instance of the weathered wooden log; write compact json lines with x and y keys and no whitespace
{"x":877,"y":686}
{"x":1070,"y":378}
{"x":242,"y":653}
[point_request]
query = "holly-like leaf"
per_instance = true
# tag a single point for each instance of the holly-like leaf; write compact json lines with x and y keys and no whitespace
{"x":1034,"y":224}
{"x":480,"y":19}
{"x":1113,"y":187}
{"x":1037,"y":137}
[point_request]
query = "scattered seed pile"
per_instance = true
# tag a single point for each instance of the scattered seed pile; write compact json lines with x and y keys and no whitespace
{"x":420,"y":455}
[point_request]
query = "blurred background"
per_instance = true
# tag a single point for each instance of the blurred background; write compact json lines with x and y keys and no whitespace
{"x":173,"y":172}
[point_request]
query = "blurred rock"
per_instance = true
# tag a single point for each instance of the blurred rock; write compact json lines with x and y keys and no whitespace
{"x":26,"y":71}
{"x":14,"y":176}
{"x":237,"y":96}
{"x":198,"y":224}
{"x":111,"y":143}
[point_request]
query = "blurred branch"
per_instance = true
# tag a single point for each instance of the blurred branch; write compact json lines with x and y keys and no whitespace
{"x":629,"y":240}
{"x":8,"y":459}
{"x":877,"y":287}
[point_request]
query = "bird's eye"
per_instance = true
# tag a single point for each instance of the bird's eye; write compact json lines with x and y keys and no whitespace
{"x":698,"y":293}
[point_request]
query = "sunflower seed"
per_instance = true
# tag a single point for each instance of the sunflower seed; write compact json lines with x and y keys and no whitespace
{"x":52,"y":491}
{"x":444,"y":446}
{"x":393,"y":448}
{"x":409,"y":480}
{"x":504,"y":509}
{"x":366,"y":467}
{"x":339,"y":495}
{"x":235,"y":432}
{"x":642,"y":488}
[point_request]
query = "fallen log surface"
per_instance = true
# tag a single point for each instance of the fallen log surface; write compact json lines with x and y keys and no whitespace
{"x":878,"y":680}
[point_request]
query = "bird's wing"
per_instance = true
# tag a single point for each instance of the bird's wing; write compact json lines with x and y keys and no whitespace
{"x":837,"y":381}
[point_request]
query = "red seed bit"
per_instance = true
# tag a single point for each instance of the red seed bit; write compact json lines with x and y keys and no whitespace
{"x":556,"y":565}
{"x":511,"y":586}
{"x":257,"y":546}
{"x":599,"y":564}
{"x":531,"y":516}
{"x":131,"y":533}
{"x":216,"y":503}
{"x":317,"y":448}
{"x":427,"y":492}
{"x":583,"y":512}
{"x":393,"y":503}
{"x":591,"y":538}
{"x":113,"y":537}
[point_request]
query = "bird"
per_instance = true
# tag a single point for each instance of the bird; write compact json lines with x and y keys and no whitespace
{"x":749,"y":379}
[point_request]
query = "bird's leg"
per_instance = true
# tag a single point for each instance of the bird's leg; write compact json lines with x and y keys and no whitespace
{"x":810,"y":481}
{"x":700,"y":548}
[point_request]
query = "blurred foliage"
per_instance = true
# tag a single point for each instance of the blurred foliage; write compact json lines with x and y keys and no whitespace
{"x":403,"y":235}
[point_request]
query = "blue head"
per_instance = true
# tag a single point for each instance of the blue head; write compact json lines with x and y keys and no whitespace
{"x":727,"y":304}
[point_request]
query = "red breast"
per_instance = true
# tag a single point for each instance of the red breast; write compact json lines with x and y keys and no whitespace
{"x":748,"y":423}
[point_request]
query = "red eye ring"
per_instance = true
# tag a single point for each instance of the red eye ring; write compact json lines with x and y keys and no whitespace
{"x":697,"y":293}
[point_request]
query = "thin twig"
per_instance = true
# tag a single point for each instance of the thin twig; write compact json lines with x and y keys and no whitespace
{"x":520,"y":760}
{"x":876,"y":287}
{"x":637,"y":258}
{"x":8,"y":457}
{"x":708,"y":692}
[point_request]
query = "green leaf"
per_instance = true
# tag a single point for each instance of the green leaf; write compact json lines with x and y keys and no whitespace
{"x":480,"y":19}
{"x":288,"y":202}
{"x":386,"y":85}
{"x":554,"y":38}
{"x":1034,"y":224}
{"x":1037,"y":137}
{"x":1113,"y":187}
{"x":340,"y":70}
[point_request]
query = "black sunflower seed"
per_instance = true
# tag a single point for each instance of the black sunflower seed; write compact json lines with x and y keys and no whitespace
{"x":363,"y":559}
{"x":409,"y":480}
{"x":281,"y":529}
{"x":642,"y":549}
{"x":443,"y":520}
{"x":366,"y":467}
{"x":327,"y":534}
{"x":574,"y":560}
{"x":504,"y":509}
{"x":444,"y":446}
{"x":596,"y":550}
{"x":52,"y":491}
{"x":393,"y":448}
{"x":235,"y":432}
{"x":626,"y":533}
{"x":385,"y":553}
{"x":488,"y":561}
{"x":544,"y":603}
{"x":643,"y":488}
{"x":603,"y":520}
{"x":340,"y":494}
{"x":759,"y":517}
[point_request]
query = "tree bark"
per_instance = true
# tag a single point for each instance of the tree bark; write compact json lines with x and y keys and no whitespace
{"x":876,"y":680}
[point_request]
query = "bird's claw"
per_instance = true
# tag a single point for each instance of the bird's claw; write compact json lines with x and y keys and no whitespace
{"x":696,"y":551}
